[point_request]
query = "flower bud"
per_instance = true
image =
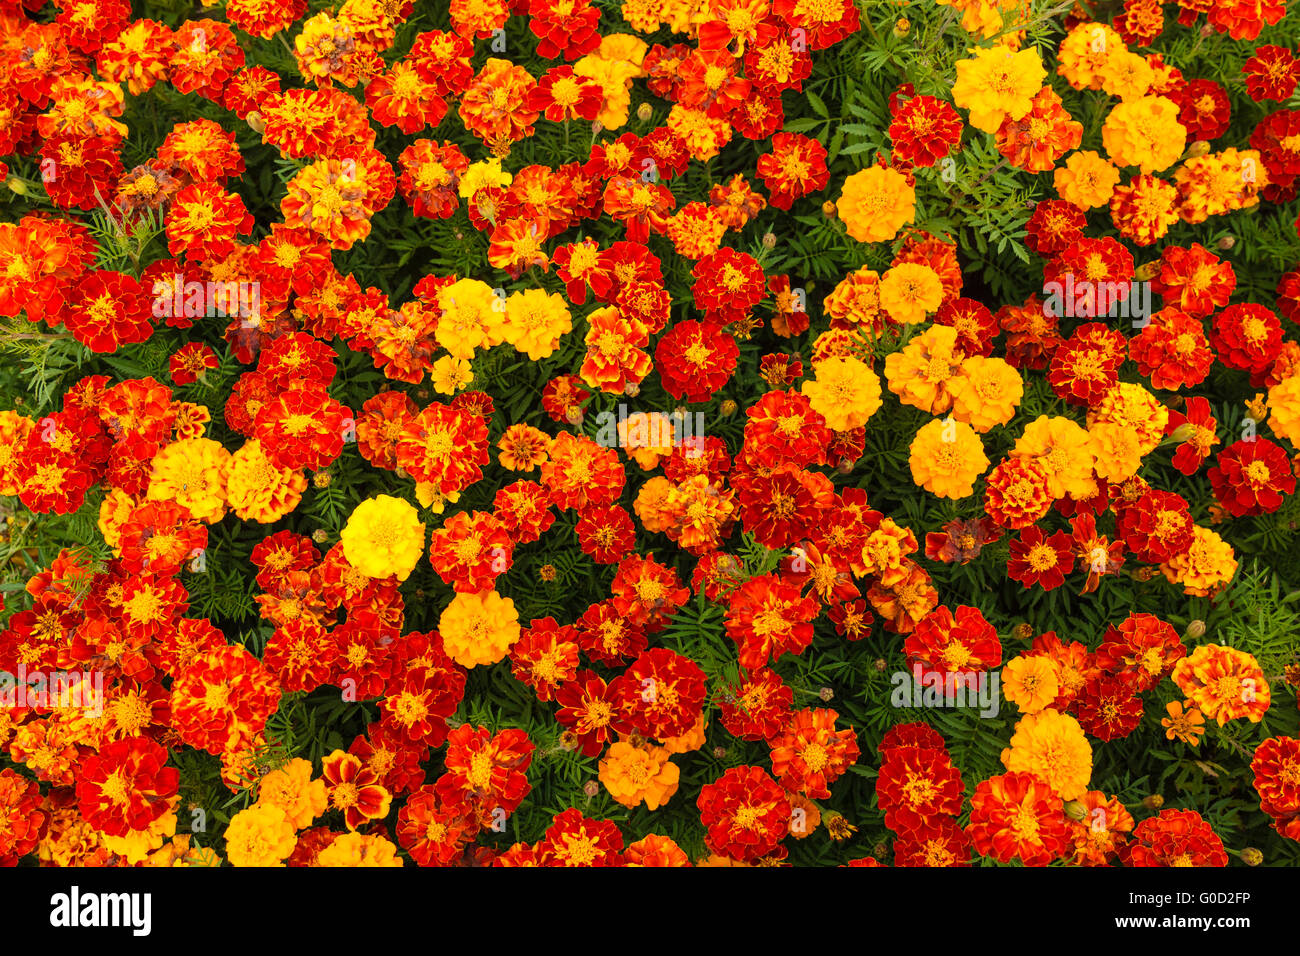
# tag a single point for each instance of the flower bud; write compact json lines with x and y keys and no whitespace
{"x":597,"y":128}
{"x":254,"y":120}
{"x":1251,"y":856}
{"x":632,"y":389}
{"x":644,"y":112}
{"x":321,"y":479}
{"x":902,"y":27}
{"x":727,"y":408}
{"x":769,"y":240}
{"x":320,"y":536}
{"x":16,"y":186}
{"x":591,"y":788}
{"x":1195,"y":630}
{"x":828,"y":209}
{"x":826,"y":694}
{"x":1024,"y":631}
{"x":881,"y":664}
{"x":1075,"y":810}
{"x":1226,"y":243}
{"x":1198,"y":148}
{"x":719,"y":753}
{"x":1153,"y":802}
{"x":1147,"y":271}
{"x":574,"y":415}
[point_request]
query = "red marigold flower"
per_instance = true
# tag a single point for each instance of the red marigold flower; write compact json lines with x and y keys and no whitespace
{"x":1247,"y":336}
{"x":207,"y":55}
{"x":923,"y":130}
{"x":111,"y":309}
{"x":604,"y":635}
{"x":646,"y":592}
{"x":204,"y":220}
{"x":759,"y":707}
{"x":1042,"y":136}
{"x":126,"y":786}
{"x":940,"y":841}
{"x":417,"y":708}
{"x":917,"y":787}
{"x":545,"y":656}
{"x":302,"y":427}
{"x":1017,"y":815}
{"x":1204,"y":109}
{"x":575,"y":840}
{"x":23,"y":824}
{"x":745,"y":813}
{"x":662,"y":694}
{"x":959,"y":644}
{"x":394,"y":762}
{"x":588,"y":708}
{"x":191,"y":362}
{"x":795,"y":168}
{"x":580,"y":472}
{"x":299,"y":653}
{"x":568,"y":27}
{"x":1108,"y":706}
{"x":809,"y":754}
{"x":728,"y":285}
{"x":1156,"y":527}
{"x":1173,"y":350}
{"x":961,"y":540}
{"x":222,"y":699}
{"x":1271,"y":73}
{"x":695,"y":359}
{"x":769,"y":617}
{"x":818,"y":26}
{"x":781,"y":505}
{"x":1054,"y":226}
{"x":445,"y":446}
{"x":1038,"y":559}
{"x":1144,"y":647}
{"x":642,"y":207}
{"x":524,"y":507}
{"x":1196,"y":430}
{"x":615,"y":356}
{"x":470,"y":550}
{"x":403,"y":97}
{"x":1252,"y":476}
{"x":443,"y":59}
{"x":81,"y":166}
{"x":434,"y":832}
{"x":562,"y":95}
{"x":1175,"y":838}
{"x":773,"y":61}
{"x":354,"y":789}
{"x":1243,"y":19}
{"x":1016,"y":493}
{"x":430,"y":176}
{"x":1086,"y":365}
{"x":1276,"y":766}
{"x":605,"y":532}
{"x":494,"y":105}
{"x":707,"y":81}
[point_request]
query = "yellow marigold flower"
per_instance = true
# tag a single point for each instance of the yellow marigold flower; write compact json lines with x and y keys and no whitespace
{"x":1127,"y":75}
{"x":986,"y":392}
{"x":1132,"y":406}
{"x":428,"y":495}
{"x":636,"y":775}
{"x":1064,"y":449}
{"x":1086,"y":179}
{"x":998,"y":84}
{"x":1284,"y":408}
{"x":1053,"y":747}
{"x":192,"y":472}
{"x":327,"y":50}
{"x":845,"y":392}
{"x":357,"y":849}
{"x":1144,"y":133}
{"x":328,"y":198}
{"x":909,"y":291}
{"x":1085,"y":53}
{"x":946,"y":458}
{"x":261,"y":835}
{"x":479,"y":628}
{"x":450,"y":374}
{"x":113,"y":511}
{"x":1224,"y":683}
{"x":482,"y":175}
{"x":258,"y":490}
{"x":136,"y":845}
{"x":920,"y":374}
{"x":14,"y":429}
{"x":876,"y":203}
{"x":1208,"y":565}
{"x":623,"y":48}
{"x":292,"y":790}
{"x":383,"y":536}
{"x":535,"y":321}
{"x":467,"y":312}
{"x":1116,"y":451}
{"x":614,"y":77}
{"x":1031,"y":683}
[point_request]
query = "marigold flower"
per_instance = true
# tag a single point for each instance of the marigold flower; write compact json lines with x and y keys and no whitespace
{"x":1145,"y":133}
{"x":635,"y":775}
{"x":946,"y":458}
{"x":844,"y":391}
{"x":1018,"y":815}
{"x":875,"y":203}
{"x":479,"y":628}
{"x":1031,"y":683}
{"x":1223,"y":683}
{"x":261,"y":835}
